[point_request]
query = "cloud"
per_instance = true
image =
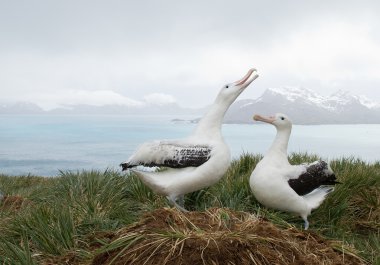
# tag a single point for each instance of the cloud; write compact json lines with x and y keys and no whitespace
{"x":187,"y":50}
{"x":333,"y":50}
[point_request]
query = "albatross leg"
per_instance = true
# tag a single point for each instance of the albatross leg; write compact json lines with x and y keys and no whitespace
{"x":173,"y":201}
{"x":181,"y":200}
{"x":306,"y":223}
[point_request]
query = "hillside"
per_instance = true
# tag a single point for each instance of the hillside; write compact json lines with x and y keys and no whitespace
{"x":110,"y":218}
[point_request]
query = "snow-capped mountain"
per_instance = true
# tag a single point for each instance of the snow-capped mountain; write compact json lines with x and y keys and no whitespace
{"x":305,"y":106}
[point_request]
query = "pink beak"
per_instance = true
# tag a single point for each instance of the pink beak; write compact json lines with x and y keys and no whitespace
{"x":270,"y":119}
{"x":245,"y":81}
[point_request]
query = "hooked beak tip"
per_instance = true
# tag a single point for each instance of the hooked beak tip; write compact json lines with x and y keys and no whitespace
{"x":243,"y":82}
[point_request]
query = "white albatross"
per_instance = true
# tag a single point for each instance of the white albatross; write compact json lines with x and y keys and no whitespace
{"x":292,"y":188}
{"x":195,"y":162}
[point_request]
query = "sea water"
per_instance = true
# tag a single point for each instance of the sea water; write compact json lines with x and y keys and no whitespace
{"x":44,"y":145}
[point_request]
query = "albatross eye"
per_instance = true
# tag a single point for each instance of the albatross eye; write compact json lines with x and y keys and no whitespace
{"x":227,"y":86}
{"x":282,"y":118}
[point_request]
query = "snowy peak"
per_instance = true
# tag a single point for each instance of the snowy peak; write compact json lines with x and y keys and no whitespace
{"x":307,"y":107}
{"x":335,"y":101}
{"x":341,"y":94}
{"x":368,"y":103}
{"x":294,"y":93}
{"x":342,"y":97}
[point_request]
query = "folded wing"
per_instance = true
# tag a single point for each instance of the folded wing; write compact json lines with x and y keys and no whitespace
{"x":317,"y":174}
{"x":169,"y":154}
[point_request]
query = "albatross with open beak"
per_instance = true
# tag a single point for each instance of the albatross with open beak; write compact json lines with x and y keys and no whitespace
{"x":195,"y":162}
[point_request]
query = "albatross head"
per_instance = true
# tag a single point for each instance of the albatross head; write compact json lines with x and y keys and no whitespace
{"x":231,"y":91}
{"x":281,"y":121}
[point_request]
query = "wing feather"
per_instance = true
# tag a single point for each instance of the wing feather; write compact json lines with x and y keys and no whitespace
{"x":317,"y":174}
{"x":169,"y":154}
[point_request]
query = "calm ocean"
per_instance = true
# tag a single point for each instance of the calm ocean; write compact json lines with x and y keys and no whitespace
{"x":43,"y":145}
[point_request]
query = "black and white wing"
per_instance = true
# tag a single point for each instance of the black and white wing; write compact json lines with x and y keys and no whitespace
{"x":317,"y":174}
{"x":169,"y":154}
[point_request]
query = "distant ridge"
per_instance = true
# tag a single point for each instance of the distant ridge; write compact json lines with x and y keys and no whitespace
{"x":21,"y":108}
{"x":304,"y":106}
{"x":27,"y":108}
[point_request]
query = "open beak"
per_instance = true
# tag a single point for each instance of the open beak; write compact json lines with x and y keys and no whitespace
{"x":247,"y":79}
{"x":270,"y":119}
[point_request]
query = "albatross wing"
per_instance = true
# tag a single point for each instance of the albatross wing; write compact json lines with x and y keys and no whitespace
{"x":317,"y":174}
{"x":169,"y":154}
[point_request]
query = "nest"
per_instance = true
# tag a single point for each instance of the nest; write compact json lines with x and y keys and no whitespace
{"x":217,"y":236}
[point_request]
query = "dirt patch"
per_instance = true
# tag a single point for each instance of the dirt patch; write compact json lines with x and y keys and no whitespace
{"x":217,"y":236}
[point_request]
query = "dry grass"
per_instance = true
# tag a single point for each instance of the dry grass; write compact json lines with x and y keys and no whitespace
{"x":217,"y":236}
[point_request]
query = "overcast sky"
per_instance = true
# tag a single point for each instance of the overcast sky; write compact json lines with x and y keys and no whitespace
{"x":128,"y":52}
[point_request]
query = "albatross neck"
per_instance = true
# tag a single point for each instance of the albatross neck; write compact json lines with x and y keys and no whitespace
{"x":280,"y":143}
{"x":211,"y":123}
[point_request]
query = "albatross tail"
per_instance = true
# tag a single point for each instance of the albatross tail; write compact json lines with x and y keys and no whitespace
{"x":316,"y":197}
{"x":150,"y":179}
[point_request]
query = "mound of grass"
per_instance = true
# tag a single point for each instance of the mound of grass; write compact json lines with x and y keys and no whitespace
{"x":84,"y":217}
{"x":216,"y":236}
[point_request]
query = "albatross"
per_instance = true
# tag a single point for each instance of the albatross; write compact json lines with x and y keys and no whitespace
{"x":192,"y":163}
{"x":292,"y":188}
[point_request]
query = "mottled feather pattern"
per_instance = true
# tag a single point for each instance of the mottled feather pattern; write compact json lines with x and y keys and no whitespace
{"x":177,"y":156}
{"x":317,"y":174}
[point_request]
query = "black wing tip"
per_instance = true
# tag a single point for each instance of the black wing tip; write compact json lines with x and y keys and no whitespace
{"x":125,"y":166}
{"x":317,"y":175}
{"x":332,"y":180}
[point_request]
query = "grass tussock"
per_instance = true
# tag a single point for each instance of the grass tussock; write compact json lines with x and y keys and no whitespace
{"x":107,"y":217}
{"x":216,"y":236}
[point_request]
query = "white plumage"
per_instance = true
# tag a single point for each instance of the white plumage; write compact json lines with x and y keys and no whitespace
{"x":195,"y":162}
{"x":292,"y":188}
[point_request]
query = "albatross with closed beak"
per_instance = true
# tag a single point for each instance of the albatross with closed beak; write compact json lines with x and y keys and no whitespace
{"x":195,"y":162}
{"x":292,"y":188}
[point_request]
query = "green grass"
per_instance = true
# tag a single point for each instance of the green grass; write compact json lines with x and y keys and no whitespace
{"x":68,"y":217}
